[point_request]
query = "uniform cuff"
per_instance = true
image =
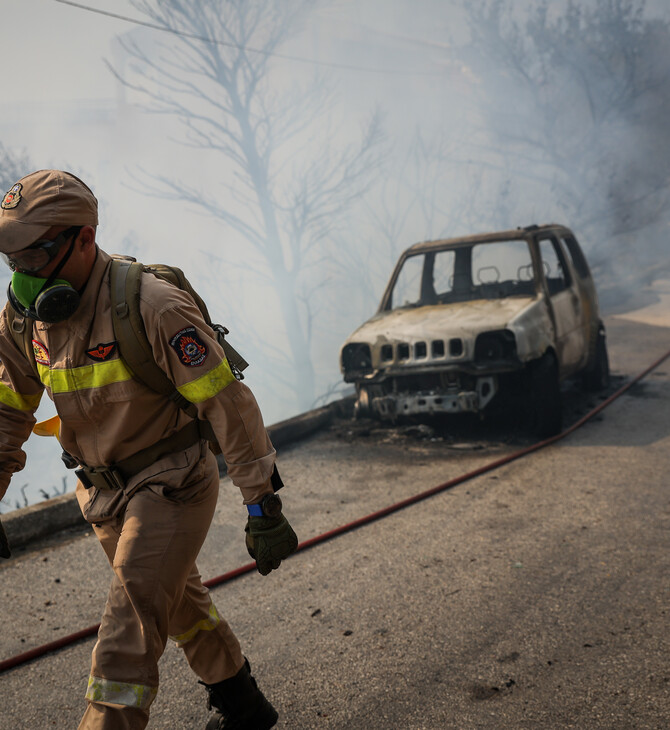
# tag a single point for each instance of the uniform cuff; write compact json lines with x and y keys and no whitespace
{"x":253,"y":474}
{"x":252,"y":495}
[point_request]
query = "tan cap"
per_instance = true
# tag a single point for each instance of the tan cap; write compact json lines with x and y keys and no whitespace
{"x":41,"y":200}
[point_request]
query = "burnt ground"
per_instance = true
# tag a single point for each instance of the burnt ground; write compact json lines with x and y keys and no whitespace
{"x":505,"y":423}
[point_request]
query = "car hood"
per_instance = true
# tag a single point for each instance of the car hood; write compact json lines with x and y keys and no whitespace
{"x":463,"y":319}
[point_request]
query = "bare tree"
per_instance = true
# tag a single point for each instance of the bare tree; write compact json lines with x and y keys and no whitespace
{"x":13,"y":165}
{"x":426,"y":194}
{"x":576,"y":97}
{"x":283,"y":186}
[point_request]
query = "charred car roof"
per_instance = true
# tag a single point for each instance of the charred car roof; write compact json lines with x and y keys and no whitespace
{"x":510,"y":235}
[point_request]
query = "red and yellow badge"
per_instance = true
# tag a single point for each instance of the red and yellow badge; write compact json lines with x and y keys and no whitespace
{"x":41,"y":353}
{"x":191,"y":349}
{"x":101,"y":352}
{"x":12,"y":197}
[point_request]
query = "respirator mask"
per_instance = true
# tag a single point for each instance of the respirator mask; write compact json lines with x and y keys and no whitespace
{"x":44,"y":299}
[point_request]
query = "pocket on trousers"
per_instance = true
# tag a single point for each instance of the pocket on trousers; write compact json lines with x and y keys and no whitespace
{"x":179,"y":477}
{"x":98,"y":505}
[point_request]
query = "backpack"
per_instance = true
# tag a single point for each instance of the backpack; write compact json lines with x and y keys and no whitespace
{"x":130,"y":334}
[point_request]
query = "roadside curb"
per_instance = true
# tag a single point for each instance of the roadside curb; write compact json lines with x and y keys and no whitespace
{"x":60,"y":513}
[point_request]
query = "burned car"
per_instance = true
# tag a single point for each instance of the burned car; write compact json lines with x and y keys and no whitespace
{"x":466,"y":321}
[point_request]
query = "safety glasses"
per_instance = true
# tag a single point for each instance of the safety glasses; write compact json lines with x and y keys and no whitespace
{"x":36,"y":257}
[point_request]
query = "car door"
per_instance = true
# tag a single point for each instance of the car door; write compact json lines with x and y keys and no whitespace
{"x":564,"y":303}
{"x":587,"y":289}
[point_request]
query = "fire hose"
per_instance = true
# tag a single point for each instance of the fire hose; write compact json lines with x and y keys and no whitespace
{"x":64,"y":641}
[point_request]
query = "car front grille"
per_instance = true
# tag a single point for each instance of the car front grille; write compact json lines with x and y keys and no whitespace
{"x":422,"y":350}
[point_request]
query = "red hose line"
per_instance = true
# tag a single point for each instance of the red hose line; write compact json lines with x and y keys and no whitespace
{"x":39,"y":651}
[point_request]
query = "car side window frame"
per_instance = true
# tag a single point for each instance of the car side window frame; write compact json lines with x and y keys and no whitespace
{"x":576,"y":255}
{"x":386,"y":304}
{"x":565,"y":269}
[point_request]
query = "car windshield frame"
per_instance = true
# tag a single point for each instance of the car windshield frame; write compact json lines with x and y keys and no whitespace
{"x":466,"y":283}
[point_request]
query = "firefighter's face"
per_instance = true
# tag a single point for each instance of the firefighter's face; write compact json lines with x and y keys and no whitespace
{"x":42,"y":257}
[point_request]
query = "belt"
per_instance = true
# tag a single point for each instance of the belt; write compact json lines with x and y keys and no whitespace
{"x":116,"y":475}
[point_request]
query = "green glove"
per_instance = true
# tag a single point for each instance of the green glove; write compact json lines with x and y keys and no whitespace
{"x":269,"y":540}
{"x":5,"y":552}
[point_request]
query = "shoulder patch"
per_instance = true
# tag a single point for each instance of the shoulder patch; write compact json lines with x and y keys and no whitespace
{"x":12,"y":197}
{"x":190,"y":349}
{"x":103,"y":351}
{"x":41,"y":353}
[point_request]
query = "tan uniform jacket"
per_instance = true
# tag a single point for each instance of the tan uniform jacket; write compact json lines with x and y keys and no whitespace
{"x":106,"y":415}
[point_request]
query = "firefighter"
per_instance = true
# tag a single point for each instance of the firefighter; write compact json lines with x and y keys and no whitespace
{"x":148,"y":482}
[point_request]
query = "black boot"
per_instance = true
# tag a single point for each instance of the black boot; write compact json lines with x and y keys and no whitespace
{"x":241,"y":704}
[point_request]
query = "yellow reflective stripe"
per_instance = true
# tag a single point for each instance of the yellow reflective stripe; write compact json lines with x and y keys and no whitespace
{"x":209,"y":384}
{"x":120,"y":693}
{"x":95,"y":375}
{"x":18,"y":401}
{"x":205,"y":624}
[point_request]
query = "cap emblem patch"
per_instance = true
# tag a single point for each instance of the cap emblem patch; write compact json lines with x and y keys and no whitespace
{"x":12,"y":197}
{"x":191,"y":350}
{"x":41,"y":353}
{"x":101,"y":352}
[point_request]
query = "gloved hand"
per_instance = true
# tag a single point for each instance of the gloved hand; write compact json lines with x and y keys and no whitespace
{"x":5,"y":552}
{"x":270,"y":540}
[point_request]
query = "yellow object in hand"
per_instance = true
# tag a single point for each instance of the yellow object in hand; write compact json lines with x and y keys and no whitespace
{"x":50,"y":427}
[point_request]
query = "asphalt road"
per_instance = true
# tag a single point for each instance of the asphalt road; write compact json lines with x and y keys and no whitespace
{"x":535,"y":596}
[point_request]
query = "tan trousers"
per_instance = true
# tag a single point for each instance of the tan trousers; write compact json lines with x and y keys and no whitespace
{"x":156,"y":592}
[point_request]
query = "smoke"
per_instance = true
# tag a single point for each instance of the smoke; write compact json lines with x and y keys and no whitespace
{"x":496,"y":114}
{"x":572,"y":102}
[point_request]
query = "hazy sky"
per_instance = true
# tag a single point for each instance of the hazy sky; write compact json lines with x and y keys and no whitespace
{"x":59,"y":101}
{"x":55,"y":50}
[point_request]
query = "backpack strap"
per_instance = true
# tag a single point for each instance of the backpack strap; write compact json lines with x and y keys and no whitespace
{"x":22,"y":336}
{"x":129,"y":331}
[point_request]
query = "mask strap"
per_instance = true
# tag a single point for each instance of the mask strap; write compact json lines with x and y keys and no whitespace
{"x":57,"y":270}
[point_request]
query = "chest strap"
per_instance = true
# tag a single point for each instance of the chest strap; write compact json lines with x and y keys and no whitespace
{"x":117,"y":475}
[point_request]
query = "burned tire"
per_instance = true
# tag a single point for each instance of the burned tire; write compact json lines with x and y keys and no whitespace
{"x":597,"y":377}
{"x":545,"y":410}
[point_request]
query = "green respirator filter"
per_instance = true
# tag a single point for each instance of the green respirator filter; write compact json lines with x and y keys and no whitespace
{"x":53,"y":304}
{"x":26,"y":287}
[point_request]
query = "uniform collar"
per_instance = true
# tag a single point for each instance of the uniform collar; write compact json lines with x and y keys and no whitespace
{"x":80,"y":322}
